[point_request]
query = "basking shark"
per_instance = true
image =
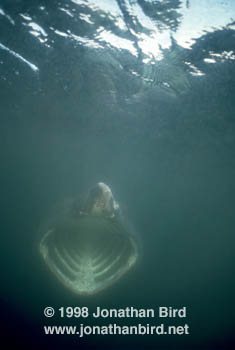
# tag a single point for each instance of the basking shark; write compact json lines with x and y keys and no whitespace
{"x":90,"y":249}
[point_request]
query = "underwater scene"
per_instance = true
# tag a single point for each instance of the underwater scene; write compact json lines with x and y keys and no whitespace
{"x":117,"y":148}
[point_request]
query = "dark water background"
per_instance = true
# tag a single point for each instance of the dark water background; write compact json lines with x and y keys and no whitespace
{"x":161,"y":133}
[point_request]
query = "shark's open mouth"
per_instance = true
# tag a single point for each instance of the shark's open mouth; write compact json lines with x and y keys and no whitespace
{"x":89,"y":253}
